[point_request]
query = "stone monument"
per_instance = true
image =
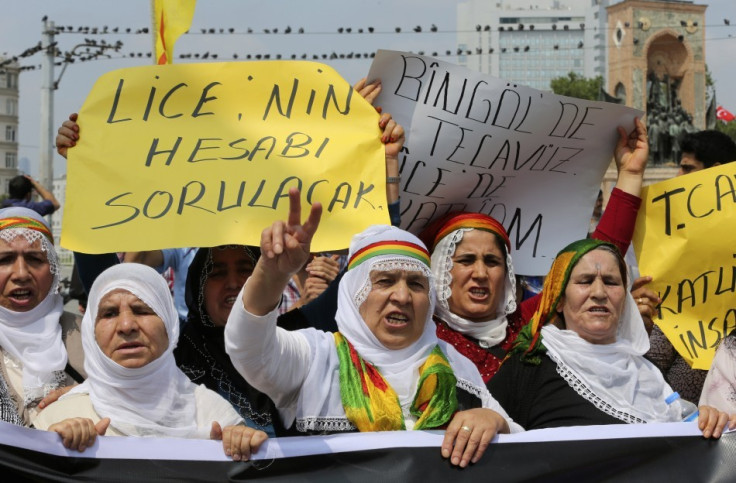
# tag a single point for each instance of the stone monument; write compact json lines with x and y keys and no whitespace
{"x":656,"y":63}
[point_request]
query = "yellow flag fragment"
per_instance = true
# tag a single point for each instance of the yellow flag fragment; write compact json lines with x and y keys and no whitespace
{"x":171,"y":18}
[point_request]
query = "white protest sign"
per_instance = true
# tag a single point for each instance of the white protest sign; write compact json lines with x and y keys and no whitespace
{"x":531,"y":159}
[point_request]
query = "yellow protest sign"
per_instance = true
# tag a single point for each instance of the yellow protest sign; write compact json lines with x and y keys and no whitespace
{"x":684,"y":239}
{"x":205,"y":154}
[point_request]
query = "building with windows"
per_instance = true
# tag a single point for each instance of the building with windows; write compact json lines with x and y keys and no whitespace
{"x":534,"y":43}
{"x":66,"y":257}
{"x":8,"y":123}
{"x":59,"y":191}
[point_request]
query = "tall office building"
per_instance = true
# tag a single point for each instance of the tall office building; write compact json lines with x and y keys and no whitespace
{"x":534,"y":43}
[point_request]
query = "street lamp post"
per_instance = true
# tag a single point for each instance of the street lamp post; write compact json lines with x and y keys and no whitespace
{"x":48,"y":86}
{"x":46,"y":168}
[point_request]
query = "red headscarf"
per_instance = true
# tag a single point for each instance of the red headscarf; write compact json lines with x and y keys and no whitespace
{"x":452,"y":221}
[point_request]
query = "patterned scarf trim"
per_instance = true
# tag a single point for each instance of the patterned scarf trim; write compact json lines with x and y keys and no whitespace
{"x":8,"y":410}
{"x":371,"y":404}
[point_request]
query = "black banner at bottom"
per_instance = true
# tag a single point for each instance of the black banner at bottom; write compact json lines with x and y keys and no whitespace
{"x":669,"y":458}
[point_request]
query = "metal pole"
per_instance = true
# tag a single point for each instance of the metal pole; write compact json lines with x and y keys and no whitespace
{"x":46,"y":171}
{"x":154,"y":32}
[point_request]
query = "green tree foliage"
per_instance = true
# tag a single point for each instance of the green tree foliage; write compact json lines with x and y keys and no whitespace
{"x":574,"y":85}
{"x":727,"y":127}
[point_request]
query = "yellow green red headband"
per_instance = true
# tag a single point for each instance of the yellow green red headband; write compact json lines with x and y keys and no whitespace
{"x":389,"y":247}
{"x":30,"y":223}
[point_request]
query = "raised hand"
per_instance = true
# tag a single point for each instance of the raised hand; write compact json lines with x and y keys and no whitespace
{"x":631,"y":155}
{"x":285,"y":249}
{"x":285,"y":246}
{"x":393,"y":135}
{"x":324,"y":267}
{"x":646,"y":300}
{"x":67,"y":135}
{"x":369,"y":92}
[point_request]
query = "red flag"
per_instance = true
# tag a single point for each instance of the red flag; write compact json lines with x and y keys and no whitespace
{"x":723,"y":115}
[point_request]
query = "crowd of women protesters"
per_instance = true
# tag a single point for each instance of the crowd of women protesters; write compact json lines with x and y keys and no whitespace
{"x":417,"y":332}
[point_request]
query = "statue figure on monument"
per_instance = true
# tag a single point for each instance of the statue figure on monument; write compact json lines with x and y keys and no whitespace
{"x":675,"y":135}
{"x":667,"y":121}
{"x":654,"y":134}
{"x":665,"y":141}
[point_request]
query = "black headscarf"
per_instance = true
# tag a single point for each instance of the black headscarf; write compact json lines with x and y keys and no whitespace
{"x":201,"y":350}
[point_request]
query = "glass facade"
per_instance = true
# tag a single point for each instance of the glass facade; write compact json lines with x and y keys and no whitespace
{"x":550,"y":54}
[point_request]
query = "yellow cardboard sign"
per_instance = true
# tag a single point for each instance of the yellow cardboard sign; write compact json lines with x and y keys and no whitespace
{"x":204,"y":155}
{"x":684,"y":239}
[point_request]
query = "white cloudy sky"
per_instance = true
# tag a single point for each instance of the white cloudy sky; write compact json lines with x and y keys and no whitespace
{"x":20,"y":28}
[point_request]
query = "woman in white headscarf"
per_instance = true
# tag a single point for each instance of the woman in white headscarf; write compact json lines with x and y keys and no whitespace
{"x":477,"y":311}
{"x":580,"y":361}
{"x":33,"y":325}
{"x":134,"y":387}
{"x":385,"y":369}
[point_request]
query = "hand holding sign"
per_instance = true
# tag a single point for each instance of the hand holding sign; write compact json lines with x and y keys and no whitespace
{"x":631,"y":155}
{"x":684,"y":241}
{"x":369,"y":91}
{"x":68,"y":135}
{"x":531,"y":159}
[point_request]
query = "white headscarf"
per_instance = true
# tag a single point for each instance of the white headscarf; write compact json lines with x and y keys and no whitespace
{"x":33,"y":338}
{"x":399,"y":367}
{"x":319,"y":406}
{"x":490,"y":332}
{"x":615,"y":377}
{"x":156,"y":399}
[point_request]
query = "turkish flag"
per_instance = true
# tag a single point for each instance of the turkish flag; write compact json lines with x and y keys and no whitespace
{"x":723,"y":115}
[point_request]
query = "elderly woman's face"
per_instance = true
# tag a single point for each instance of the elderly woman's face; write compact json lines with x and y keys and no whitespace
{"x":594,"y":297}
{"x":478,"y":276}
{"x":128,"y":331}
{"x":231,"y":267}
{"x":396,"y":308}
{"x":25,"y":274}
